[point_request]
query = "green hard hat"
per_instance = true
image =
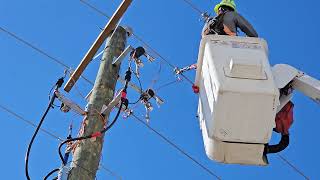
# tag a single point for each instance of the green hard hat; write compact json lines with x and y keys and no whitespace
{"x":229,"y":3}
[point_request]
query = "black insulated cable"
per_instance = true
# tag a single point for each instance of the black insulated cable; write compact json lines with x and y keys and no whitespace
{"x":282,"y":145}
{"x":50,"y":173}
{"x":50,"y":105}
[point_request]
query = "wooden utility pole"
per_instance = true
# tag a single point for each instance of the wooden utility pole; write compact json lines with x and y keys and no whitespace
{"x":86,"y":157}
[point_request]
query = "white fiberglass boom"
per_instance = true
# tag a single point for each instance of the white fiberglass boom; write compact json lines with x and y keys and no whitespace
{"x":298,"y":80}
{"x":309,"y":86}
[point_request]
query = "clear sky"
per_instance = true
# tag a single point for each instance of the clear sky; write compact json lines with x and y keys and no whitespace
{"x":66,"y":29}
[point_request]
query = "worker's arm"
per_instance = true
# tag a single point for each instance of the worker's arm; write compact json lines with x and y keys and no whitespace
{"x":245,"y":26}
{"x":232,"y":20}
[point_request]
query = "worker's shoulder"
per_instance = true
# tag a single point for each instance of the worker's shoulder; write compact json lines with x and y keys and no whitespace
{"x":231,"y":14}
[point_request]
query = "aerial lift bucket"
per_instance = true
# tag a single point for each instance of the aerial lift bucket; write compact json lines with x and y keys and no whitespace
{"x":238,"y":98}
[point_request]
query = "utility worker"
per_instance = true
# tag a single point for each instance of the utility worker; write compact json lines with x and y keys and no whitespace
{"x":228,"y":21}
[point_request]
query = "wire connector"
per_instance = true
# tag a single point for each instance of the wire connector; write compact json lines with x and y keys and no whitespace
{"x":127,"y":113}
{"x":128,"y":75}
{"x":123,"y":94}
{"x":67,"y":104}
{"x":60,"y":82}
{"x":185,"y":69}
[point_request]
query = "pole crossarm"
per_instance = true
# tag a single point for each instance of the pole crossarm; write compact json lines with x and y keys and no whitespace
{"x":97,"y":44}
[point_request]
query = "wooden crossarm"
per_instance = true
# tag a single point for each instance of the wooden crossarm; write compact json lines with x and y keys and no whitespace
{"x":97,"y":44}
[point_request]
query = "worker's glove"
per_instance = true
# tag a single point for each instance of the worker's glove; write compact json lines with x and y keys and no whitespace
{"x":284,"y":119}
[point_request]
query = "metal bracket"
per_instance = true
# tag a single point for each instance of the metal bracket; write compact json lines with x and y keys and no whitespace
{"x":116,"y":100}
{"x":63,"y":173}
{"x":68,"y":104}
{"x":122,"y":55}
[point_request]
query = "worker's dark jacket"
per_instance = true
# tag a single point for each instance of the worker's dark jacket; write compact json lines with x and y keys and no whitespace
{"x":227,"y":24}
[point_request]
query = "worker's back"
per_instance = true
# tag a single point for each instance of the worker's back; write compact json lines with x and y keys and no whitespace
{"x":228,"y":23}
{"x":234,"y":20}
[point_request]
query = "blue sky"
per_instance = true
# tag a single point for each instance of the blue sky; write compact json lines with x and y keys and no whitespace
{"x":66,"y":29}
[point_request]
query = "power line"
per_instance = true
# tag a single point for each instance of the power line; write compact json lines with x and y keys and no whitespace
{"x":167,"y":84}
{"x":292,"y":166}
{"x":34,"y":47}
{"x":102,"y":167}
{"x":41,"y":52}
{"x":194,"y":7}
{"x":94,"y":8}
{"x":176,"y":147}
{"x":112,"y":173}
{"x":18,"y":117}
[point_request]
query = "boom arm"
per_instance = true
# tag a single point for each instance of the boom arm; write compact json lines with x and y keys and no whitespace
{"x":287,"y":75}
{"x":309,"y":86}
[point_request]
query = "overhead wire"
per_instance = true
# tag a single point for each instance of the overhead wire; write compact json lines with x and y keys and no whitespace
{"x":94,"y":8}
{"x":176,"y":147}
{"x":296,"y":169}
{"x":34,"y":47}
{"x":15,"y":36}
{"x":110,"y":172}
{"x":19,"y":117}
{"x":194,"y":7}
{"x":167,"y":84}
